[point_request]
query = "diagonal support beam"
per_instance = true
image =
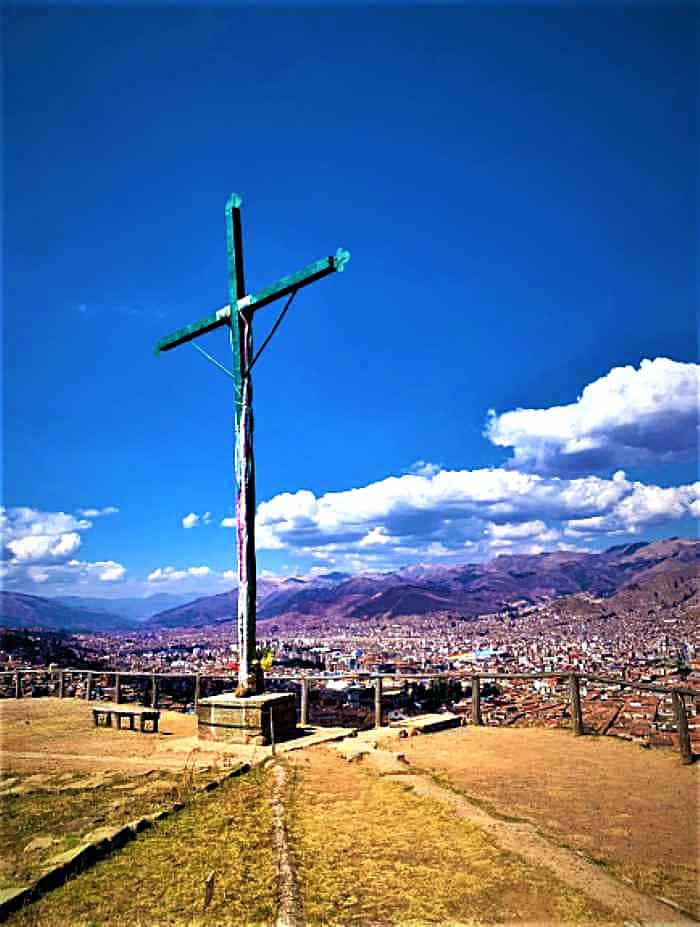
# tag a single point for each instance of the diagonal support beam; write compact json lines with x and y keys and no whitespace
{"x":283,"y":287}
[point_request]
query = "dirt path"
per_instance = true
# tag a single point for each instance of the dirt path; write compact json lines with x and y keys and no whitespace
{"x":520,"y":838}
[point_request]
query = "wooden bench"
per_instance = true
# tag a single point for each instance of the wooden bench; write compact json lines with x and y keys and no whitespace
{"x":145,"y":716}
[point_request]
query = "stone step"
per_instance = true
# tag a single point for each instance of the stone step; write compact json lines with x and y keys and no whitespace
{"x":428,"y":724}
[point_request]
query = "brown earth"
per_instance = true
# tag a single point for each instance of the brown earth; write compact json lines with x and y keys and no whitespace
{"x":59,"y":734}
{"x":634,"y":811}
{"x":53,"y":728}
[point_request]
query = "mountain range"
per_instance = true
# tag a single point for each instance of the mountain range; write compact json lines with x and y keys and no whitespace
{"x":628,"y":572}
{"x":476,"y":589}
{"x":130,"y":608}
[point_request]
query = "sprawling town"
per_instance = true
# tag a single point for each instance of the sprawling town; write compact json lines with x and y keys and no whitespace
{"x":428,"y":663}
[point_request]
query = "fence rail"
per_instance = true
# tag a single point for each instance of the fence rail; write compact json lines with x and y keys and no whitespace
{"x":574,"y":677}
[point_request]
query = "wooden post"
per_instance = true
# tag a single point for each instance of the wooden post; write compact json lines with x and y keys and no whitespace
{"x":117,"y":688}
{"x":154,"y":691}
{"x":60,"y":684}
{"x":304,"y":713}
{"x":683,"y":733}
{"x":378,"y":701}
{"x":208,"y":889}
{"x":196,"y":691}
{"x":575,"y":696}
{"x":18,"y":685}
{"x":88,"y":687}
{"x":244,"y":462}
{"x":476,"y":699}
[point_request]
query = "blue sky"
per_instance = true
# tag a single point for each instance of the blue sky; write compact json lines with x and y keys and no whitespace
{"x":518,"y":189}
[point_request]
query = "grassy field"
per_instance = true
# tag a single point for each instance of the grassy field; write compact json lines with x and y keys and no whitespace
{"x":159,"y":878}
{"x":43,"y":814}
{"x":370,"y":852}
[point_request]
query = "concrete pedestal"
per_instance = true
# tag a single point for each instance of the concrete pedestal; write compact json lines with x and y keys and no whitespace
{"x":247,"y":720}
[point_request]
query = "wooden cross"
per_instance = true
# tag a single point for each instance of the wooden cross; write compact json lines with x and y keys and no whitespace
{"x":238,"y":316}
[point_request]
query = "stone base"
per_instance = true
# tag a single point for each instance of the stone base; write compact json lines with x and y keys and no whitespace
{"x":247,"y":720}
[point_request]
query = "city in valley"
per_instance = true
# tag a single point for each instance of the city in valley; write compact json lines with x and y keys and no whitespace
{"x":629,"y":615}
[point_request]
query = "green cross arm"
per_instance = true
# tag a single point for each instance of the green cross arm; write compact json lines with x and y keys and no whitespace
{"x":255,"y":301}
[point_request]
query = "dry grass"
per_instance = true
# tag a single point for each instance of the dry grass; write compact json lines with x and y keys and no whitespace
{"x":159,"y":879}
{"x":44,"y":814}
{"x":632,"y":810}
{"x":370,"y":852}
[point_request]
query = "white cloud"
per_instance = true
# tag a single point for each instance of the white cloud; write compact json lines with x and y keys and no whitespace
{"x":38,"y":574}
{"x":401,"y":519}
{"x":104,"y":571}
{"x":377,"y":537}
{"x":193,"y":520}
{"x":627,"y":417}
{"x":511,"y":530}
{"x":228,"y":522}
{"x":424,"y":468}
{"x":39,"y":548}
{"x":169,"y":574}
{"x":98,"y":513}
{"x":31,"y":536}
{"x":643,"y":506}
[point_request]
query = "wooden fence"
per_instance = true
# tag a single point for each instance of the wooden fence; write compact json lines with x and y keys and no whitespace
{"x":677,"y":693}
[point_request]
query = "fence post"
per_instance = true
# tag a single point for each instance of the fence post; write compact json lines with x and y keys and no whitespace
{"x":18,"y":685}
{"x":378,"y":701}
{"x":575,"y":695}
{"x":304,"y":712}
{"x":117,"y":688}
{"x":683,"y":734}
{"x":196,"y":691}
{"x":60,"y":684}
{"x":476,"y":699}
{"x":154,"y":691}
{"x":88,"y":687}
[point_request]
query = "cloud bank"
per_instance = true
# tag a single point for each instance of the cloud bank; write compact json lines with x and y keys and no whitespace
{"x":192,"y":579}
{"x":629,"y":417}
{"x":563,"y":486}
{"x":460,"y":513}
{"x":38,"y":548}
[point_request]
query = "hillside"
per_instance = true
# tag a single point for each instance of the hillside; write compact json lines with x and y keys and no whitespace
{"x":39,"y":648}
{"x":134,"y":608}
{"x":31,"y":611}
{"x":642,"y":576}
